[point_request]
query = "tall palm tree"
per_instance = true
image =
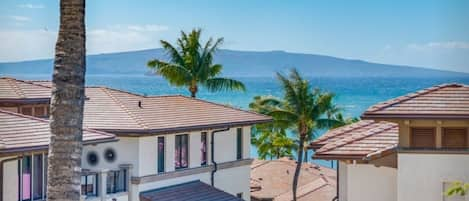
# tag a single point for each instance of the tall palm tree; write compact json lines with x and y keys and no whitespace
{"x":191,"y":64}
{"x":302,"y":110}
{"x":64,"y":158}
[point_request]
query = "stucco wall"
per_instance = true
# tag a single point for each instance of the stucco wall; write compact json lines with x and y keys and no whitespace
{"x":421,"y":176}
{"x":233,"y":180}
{"x":127,"y":152}
{"x":366,"y":182}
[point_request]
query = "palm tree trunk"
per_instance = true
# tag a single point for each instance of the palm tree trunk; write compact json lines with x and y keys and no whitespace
{"x":193,"y":89}
{"x":298,"y":165}
{"x":64,"y":159}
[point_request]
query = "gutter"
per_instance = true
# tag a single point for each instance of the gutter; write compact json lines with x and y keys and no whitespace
{"x":2,"y":163}
{"x":212,"y":154}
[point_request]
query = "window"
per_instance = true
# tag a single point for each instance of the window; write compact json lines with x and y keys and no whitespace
{"x":239,"y":143}
{"x":40,"y":112}
{"x":27,"y":111}
{"x":32,"y":171}
{"x":161,"y":154}
{"x":181,"y":152}
{"x":203,"y":149}
{"x":116,"y":181}
{"x":89,"y":185}
{"x":422,"y":138}
{"x":455,"y":138}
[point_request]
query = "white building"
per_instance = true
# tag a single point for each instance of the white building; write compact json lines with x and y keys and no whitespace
{"x":408,"y":149}
{"x":162,"y":143}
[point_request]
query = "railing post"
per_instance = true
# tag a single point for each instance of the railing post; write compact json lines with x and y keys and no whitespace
{"x":102,"y":184}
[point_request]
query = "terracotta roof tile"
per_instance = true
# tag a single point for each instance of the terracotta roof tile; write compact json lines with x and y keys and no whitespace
{"x":190,"y":191}
{"x":17,"y":89}
{"x":315,"y":181}
{"x":360,"y":140}
{"x":441,"y":101}
{"x":118,"y":111}
{"x":20,"y":132}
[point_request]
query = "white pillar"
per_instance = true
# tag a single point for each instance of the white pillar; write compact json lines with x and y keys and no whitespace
{"x":129,"y":169}
{"x":102,"y":184}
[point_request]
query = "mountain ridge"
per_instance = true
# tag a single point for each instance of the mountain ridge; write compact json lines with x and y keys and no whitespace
{"x":239,"y":63}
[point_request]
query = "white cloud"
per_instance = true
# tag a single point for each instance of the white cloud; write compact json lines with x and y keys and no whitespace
{"x":34,"y":44}
{"x":31,"y":6}
{"x":19,"y":18}
{"x":440,"y":45}
{"x":148,"y":27}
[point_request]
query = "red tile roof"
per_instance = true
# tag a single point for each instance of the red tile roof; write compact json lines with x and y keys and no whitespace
{"x":190,"y":191}
{"x":20,"y":133}
{"x":119,"y":112}
{"x":17,"y":89}
{"x":362,"y":140}
{"x":446,"y":101}
{"x":272,"y":180}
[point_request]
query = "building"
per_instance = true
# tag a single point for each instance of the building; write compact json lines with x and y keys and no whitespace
{"x":164,"y":143}
{"x":406,"y":149}
{"x":272,"y":181}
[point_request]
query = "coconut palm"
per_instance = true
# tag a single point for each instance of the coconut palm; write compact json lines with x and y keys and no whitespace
{"x":301,"y":110}
{"x":191,"y":64}
{"x":66,"y":107}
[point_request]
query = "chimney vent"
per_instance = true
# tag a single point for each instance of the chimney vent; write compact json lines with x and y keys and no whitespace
{"x":140,"y":104}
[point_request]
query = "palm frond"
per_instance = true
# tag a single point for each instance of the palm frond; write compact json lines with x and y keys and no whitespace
{"x":220,"y":84}
{"x":176,"y":75}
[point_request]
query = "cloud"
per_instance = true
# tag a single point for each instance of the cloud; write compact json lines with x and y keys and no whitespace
{"x":31,"y":6}
{"x":440,"y":45}
{"x":19,"y":18}
{"x":34,"y":44}
{"x":148,"y":27}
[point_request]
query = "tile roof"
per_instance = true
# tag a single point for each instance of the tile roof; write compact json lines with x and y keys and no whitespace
{"x":272,"y":180}
{"x":190,"y":191}
{"x":442,"y":101}
{"x":18,"y":89}
{"x":26,"y":133}
{"x":127,"y":113}
{"x":362,"y":140}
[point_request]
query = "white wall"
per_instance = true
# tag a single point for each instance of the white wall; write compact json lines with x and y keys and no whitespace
{"x":366,"y":182}
{"x":421,"y":176}
{"x":233,"y":180}
{"x":127,"y":152}
{"x":10,"y":180}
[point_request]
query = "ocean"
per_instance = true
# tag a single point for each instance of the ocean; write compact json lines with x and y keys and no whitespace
{"x":354,"y":95}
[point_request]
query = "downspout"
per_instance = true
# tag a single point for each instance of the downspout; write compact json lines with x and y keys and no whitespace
{"x":2,"y":163}
{"x":337,"y":182}
{"x":212,"y":154}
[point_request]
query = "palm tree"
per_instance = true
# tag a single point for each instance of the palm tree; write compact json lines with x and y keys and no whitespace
{"x":64,"y":158}
{"x":302,"y":110}
{"x":191,"y":64}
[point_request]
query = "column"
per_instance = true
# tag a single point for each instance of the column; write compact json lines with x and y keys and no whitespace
{"x":102,"y":184}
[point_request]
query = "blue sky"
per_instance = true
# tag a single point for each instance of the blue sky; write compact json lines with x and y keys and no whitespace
{"x":430,"y":33}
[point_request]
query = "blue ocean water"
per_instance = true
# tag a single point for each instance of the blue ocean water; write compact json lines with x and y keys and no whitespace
{"x":354,"y":95}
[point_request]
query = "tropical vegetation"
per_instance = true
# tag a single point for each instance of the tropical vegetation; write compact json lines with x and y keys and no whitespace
{"x":191,"y":64}
{"x":66,"y":107}
{"x":457,"y":188}
{"x":302,"y":111}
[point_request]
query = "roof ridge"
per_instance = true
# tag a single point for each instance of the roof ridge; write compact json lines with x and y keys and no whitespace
{"x":226,"y":106}
{"x":15,"y":87}
{"x":344,"y":129}
{"x":134,"y":117}
{"x":350,"y":139}
{"x":408,"y":96}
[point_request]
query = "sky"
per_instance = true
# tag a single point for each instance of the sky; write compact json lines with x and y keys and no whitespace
{"x":426,"y":33}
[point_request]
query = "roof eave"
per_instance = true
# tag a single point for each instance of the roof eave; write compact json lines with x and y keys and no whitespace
{"x":18,"y":151}
{"x":368,"y":116}
{"x":146,"y":132}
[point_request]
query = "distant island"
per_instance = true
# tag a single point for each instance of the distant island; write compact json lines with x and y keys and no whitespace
{"x":239,"y":64}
